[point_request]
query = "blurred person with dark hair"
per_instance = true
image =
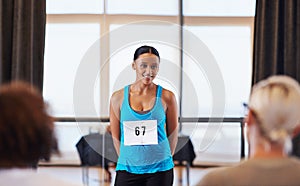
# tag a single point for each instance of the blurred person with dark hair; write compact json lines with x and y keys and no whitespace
{"x":26,"y":136}
{"x":273,"y":117}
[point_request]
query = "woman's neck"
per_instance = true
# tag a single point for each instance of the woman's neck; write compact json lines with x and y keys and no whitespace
{"x":267,"y":150}
{"x":142,"y":88}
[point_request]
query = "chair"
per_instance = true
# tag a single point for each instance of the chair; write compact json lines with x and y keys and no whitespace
{"x":96,"y":150}
{"x":184,"y":153}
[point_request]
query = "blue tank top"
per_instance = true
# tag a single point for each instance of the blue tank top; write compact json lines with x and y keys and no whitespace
{"x":140,"y":159}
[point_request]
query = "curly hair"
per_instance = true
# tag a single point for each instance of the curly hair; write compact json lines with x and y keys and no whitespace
{"x":26,"y":129}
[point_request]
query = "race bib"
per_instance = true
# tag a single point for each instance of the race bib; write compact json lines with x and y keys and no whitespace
{"x":142,"y":132}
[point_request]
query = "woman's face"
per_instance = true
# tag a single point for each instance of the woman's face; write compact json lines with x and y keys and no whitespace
{"x":146,"y":67}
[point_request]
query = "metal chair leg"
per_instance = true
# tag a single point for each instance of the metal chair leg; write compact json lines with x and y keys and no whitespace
{"x":85,"y":175}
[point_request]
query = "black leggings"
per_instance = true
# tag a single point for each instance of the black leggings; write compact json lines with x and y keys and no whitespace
{"x":164,"y":178}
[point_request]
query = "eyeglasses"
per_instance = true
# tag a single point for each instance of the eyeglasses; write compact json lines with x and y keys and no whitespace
{"x":245,"y":109}
{"x":255,"y":115}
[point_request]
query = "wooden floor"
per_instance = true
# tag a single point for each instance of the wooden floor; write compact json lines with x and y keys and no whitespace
{"x":96,"y":175}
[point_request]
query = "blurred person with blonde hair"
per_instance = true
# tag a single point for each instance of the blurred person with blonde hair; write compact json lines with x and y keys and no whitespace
{"x":26,"y":136}
{"x":274,"y":115}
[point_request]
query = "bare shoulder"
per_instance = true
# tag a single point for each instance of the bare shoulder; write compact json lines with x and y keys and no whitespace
{"x":213,"y":176}
{"x":117,"y":97}
{"x":168,"y":96}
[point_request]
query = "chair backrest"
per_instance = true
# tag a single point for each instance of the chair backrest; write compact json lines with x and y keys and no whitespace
{"x":95,"y":148}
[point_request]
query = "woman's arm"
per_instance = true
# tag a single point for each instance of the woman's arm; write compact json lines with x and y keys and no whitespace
{"x":171,"y":118}
{"x":114,"y":116}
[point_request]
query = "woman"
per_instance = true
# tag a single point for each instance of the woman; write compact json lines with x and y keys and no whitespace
{"x":144,"y":120}
{"x":26,"y":136}
{"x":273,"y":116}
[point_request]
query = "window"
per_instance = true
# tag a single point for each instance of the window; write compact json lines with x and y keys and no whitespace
{"x":219,"y":8}
{"x":66,"y":45}
{"x":230,"y":50}
{"x":74,"y":7}
{"x":103,"y":34}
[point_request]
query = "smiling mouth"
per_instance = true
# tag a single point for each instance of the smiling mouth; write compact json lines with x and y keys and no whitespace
{"x":148,"y":76}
